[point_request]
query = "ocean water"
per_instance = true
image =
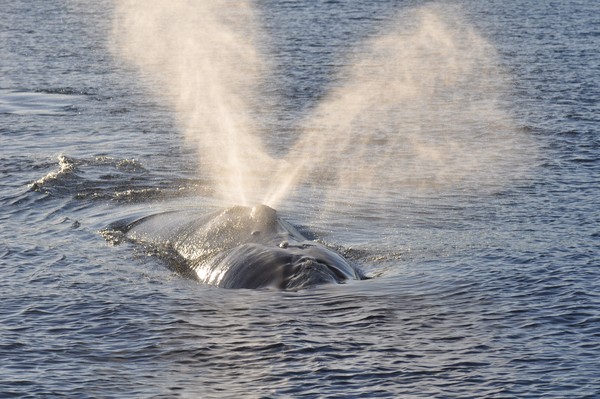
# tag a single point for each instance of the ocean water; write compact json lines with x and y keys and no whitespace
{"x":483,"y":287}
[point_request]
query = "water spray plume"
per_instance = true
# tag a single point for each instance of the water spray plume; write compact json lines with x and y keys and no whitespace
{"x":418,"y":106}
{"x":202,"y":54}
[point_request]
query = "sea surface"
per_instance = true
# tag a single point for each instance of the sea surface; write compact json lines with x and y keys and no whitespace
{"x":478,"y":289}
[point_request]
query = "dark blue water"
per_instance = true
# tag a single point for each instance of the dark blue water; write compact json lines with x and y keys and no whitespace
{"x":475,"y":292}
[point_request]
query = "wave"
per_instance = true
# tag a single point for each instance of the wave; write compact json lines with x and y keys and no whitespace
{"x":104,"y":178}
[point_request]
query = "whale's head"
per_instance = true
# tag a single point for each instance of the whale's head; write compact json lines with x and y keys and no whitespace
{"x":239,"y":247}
{"x":288,"y":267}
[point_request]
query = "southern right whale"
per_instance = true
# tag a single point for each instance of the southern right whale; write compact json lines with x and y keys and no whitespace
{"x":240,"y":247}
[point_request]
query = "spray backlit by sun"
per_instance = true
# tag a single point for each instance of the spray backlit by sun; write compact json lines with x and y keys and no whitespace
{"x":418,"y":107}
{"x":203,"y":55}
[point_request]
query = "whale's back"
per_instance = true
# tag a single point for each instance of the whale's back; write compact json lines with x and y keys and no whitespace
{"x":195,"y":236}
{"x":239,"y":247}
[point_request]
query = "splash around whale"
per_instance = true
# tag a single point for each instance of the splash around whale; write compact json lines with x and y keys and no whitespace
{"x":239,"y":247}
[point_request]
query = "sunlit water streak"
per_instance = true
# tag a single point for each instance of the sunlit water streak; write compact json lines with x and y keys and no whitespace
{"x":478,"y":292}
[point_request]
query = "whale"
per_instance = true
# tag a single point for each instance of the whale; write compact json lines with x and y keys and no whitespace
{"x":239,"y":247}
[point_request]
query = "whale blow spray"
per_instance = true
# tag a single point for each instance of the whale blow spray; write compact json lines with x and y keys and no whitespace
{"x":203,"y":57}
{"x":418,"y":106}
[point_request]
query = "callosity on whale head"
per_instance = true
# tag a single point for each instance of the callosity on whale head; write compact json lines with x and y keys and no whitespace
{"x":241,"y":247}
{"x":294,"y":266}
